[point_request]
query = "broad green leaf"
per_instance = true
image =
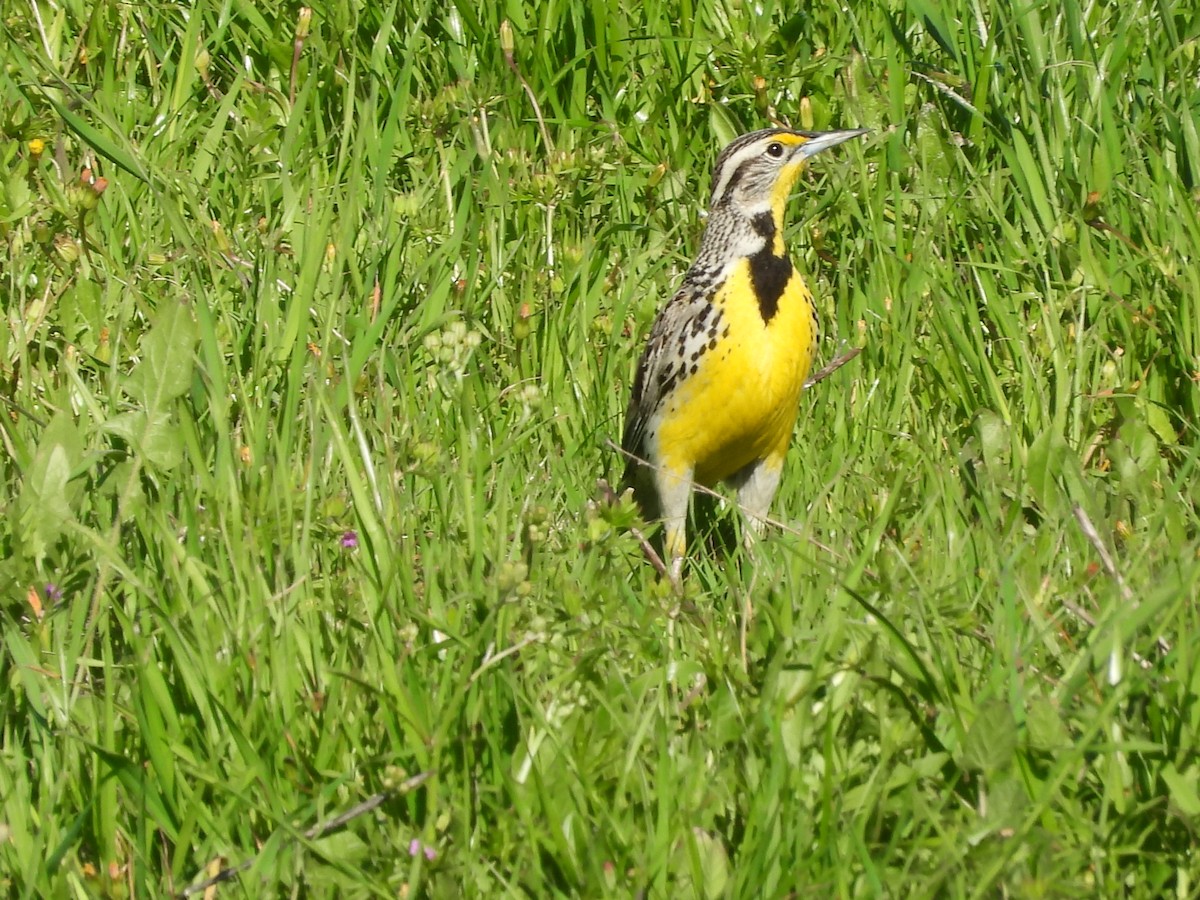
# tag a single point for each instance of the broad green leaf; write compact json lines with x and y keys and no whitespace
{"x":703,"y":864}
{"x":1045,"y":726}
{"x":1183,"y":788}
{"x":1161,"y":421}
{"x":165,"y":370}
{"x":1044,"y":463}
{"x":16,"y":201}
{"x":991,"y":741}
{"x":45,"y":502}
{"x":154,"y":436}
{"x":994,"y":439}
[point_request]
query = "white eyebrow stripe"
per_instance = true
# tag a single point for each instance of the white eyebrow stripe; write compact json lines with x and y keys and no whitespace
{"x":732,"y":164}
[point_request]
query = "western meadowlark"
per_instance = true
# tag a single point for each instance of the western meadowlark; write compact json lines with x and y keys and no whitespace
{"x":718,"y":386}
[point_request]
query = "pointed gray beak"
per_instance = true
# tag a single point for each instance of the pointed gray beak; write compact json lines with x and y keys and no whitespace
{"x":823,"y":140}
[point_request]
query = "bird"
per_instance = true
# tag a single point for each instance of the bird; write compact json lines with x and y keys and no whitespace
{"x":717,"y":387}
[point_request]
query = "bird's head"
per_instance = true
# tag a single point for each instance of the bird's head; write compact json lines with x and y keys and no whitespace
{"x":756,"y":172}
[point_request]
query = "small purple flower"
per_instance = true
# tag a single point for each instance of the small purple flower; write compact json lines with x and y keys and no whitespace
{"x":52,"y":591}
{"x":415,"y":847}
{"x":350,"y":540}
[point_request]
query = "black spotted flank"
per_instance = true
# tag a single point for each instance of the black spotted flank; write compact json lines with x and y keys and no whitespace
{"x":769,"y":274}
{"x":668,"y":379}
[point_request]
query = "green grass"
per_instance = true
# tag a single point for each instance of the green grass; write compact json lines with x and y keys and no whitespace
{"x":369,"y":292}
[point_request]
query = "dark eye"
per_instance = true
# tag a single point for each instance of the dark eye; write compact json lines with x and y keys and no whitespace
{"x":775,"y":150}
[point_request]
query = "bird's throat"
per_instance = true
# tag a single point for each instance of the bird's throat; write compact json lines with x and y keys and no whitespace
{"x":779,"y":198}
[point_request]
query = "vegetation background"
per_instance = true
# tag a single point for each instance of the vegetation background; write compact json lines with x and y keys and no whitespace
{"x":318,"y":325}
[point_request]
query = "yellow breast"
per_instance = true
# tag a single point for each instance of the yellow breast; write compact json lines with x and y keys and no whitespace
{"x":740,"y":404}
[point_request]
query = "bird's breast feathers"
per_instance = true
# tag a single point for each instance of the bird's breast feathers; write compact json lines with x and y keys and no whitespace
{"x":731,"y":393}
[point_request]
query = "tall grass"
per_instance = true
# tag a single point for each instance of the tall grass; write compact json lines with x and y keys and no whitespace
{"x":318,"y":329}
